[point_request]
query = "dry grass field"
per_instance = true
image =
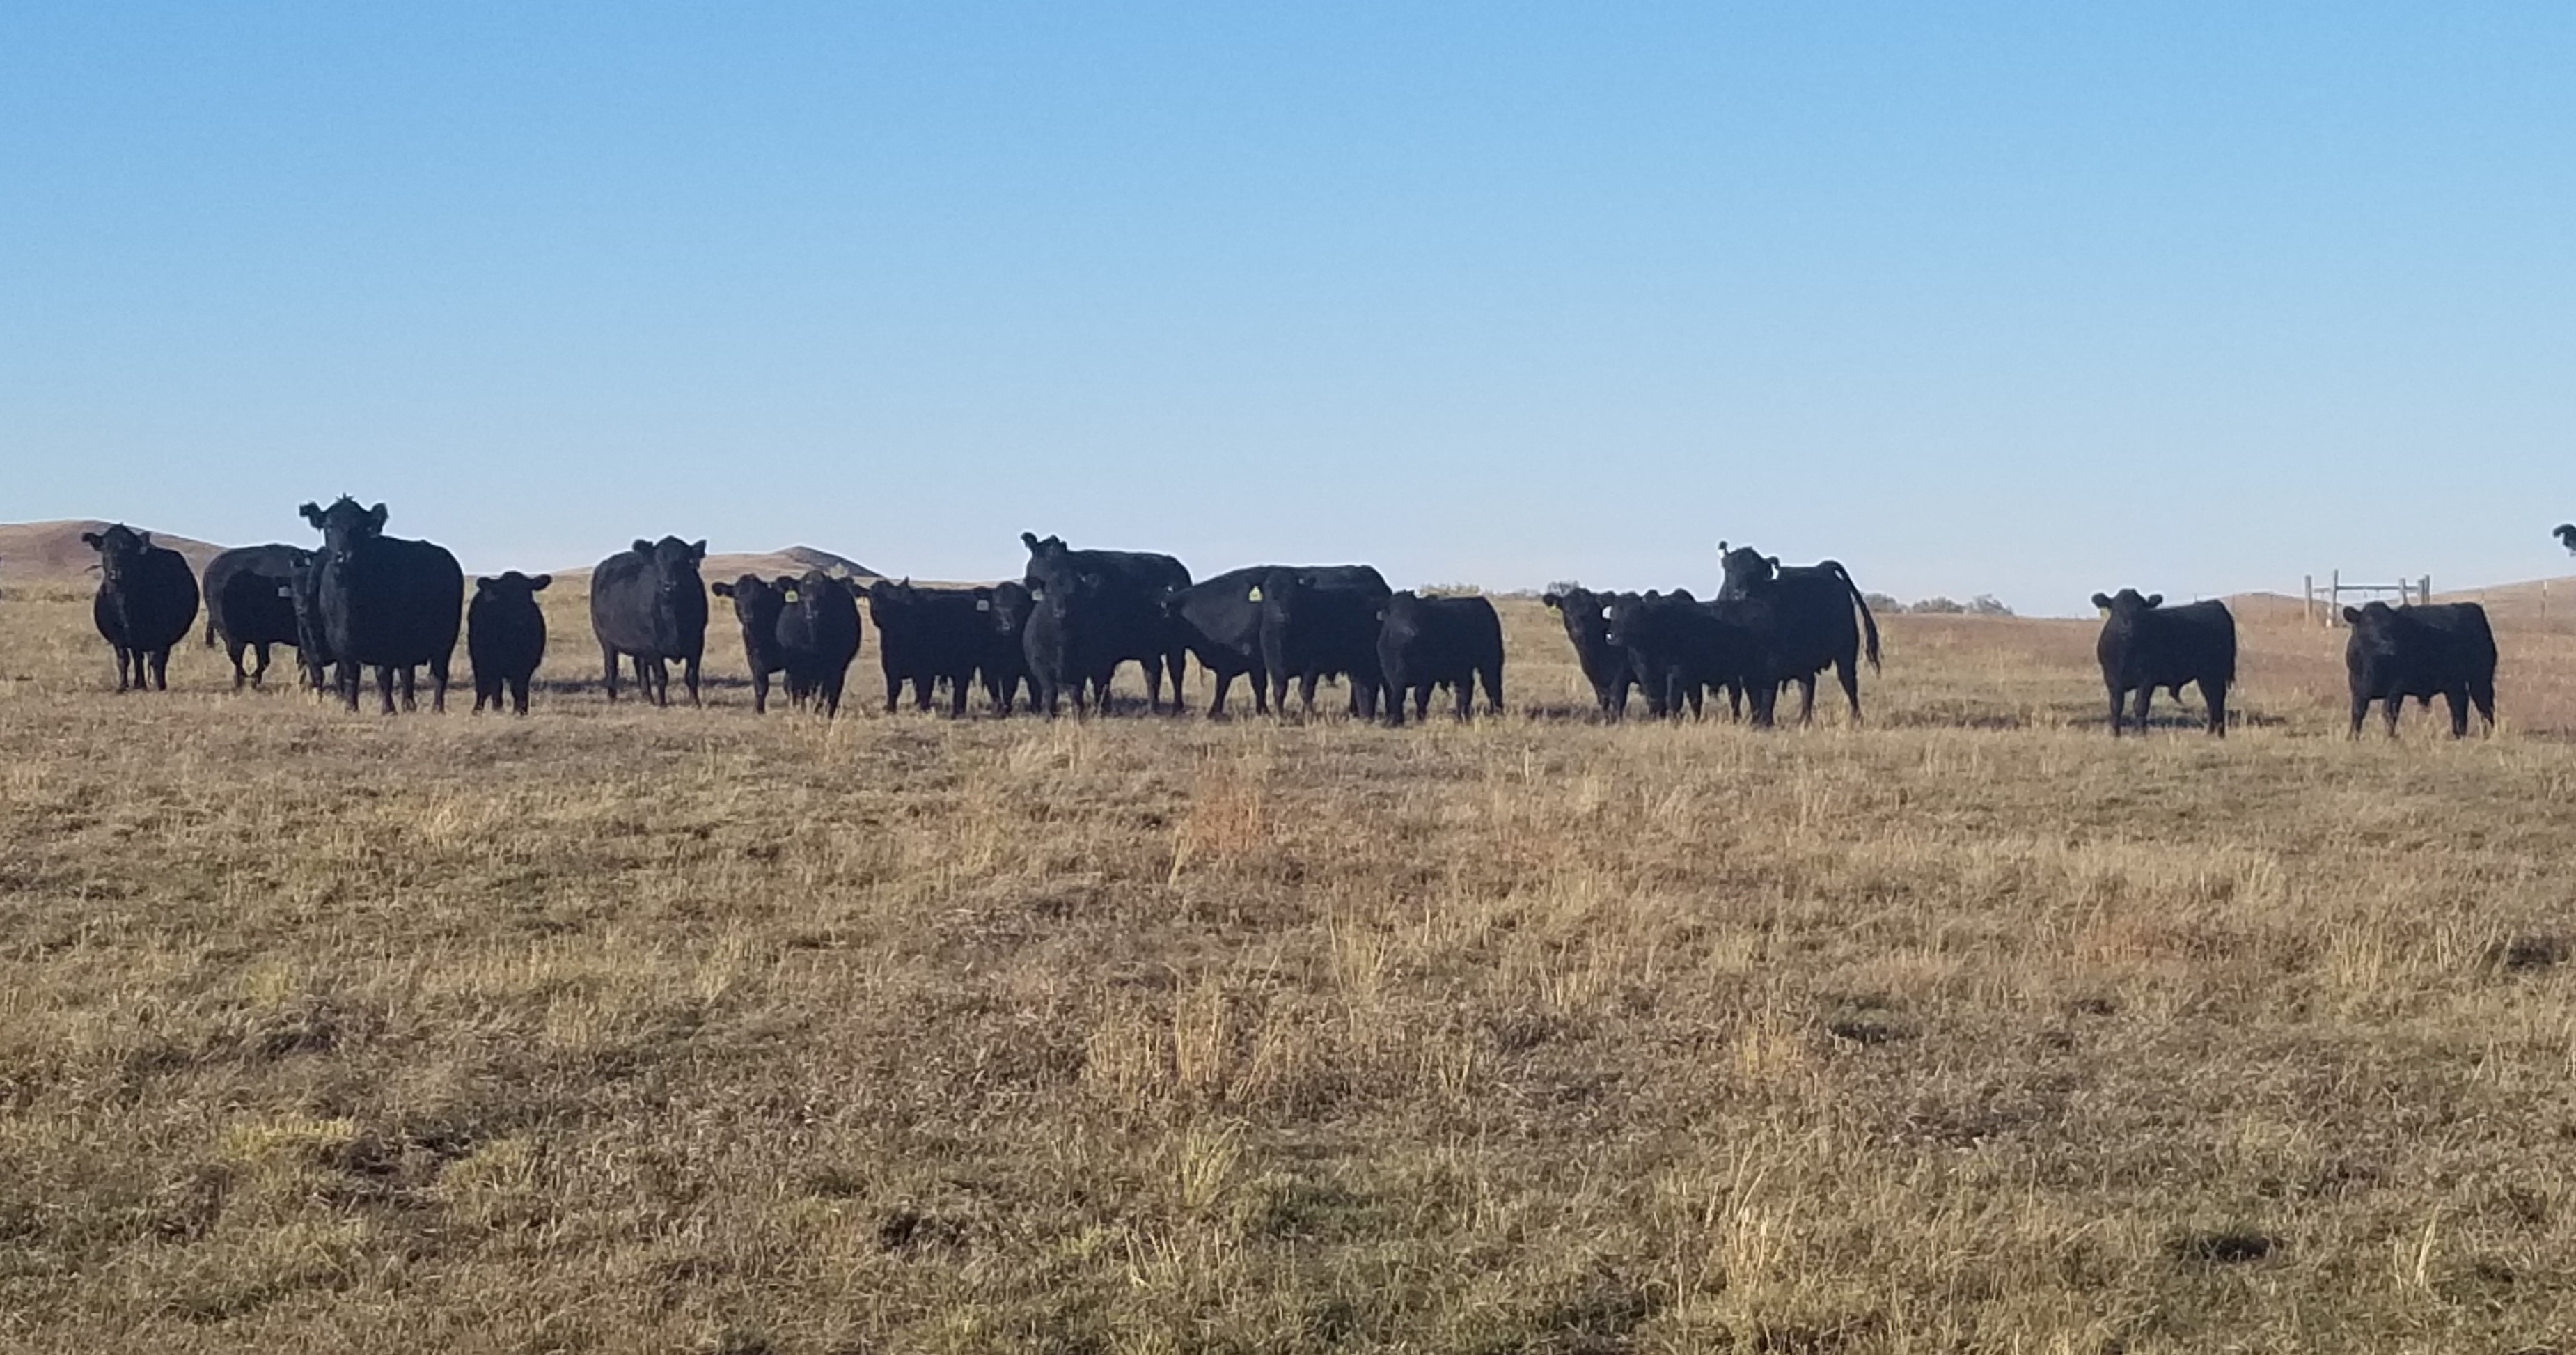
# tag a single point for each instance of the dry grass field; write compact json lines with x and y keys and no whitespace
{"x":622,"y":1029}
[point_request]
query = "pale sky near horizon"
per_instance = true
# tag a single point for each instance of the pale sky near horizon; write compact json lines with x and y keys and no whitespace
{"x":2030,"y":300}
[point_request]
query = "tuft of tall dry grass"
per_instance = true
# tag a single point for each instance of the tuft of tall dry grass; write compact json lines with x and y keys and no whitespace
{"x":625,"y":1029}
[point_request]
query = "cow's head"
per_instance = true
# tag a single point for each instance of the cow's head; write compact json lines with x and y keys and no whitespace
{"x":1049,"y":562}
{"x":755,"y":601}
{"x":2127,"y":603}
{"x":344,"y":525}
{"x":890,"y":600}
{"x":120,"y":550}
{"x":512,"y":587}
{"x":1746,"y":567}
{"x":675,"y":564}
{"x":1007,"y":604}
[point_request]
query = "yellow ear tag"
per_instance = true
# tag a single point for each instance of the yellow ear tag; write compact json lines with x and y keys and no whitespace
{"x":1253,"y":596}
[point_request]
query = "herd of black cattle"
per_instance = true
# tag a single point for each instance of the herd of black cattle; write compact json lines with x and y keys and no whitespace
{"x":368,"y":601}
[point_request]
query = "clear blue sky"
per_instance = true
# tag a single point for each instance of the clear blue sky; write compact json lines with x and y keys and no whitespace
{"x":2031,"y":300}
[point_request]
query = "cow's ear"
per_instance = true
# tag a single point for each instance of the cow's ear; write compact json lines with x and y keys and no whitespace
{"x":1772,"y":560}
{"x":90,"y":539}
{"x":1552,"y":601}
{"x":1721,"y":548}
{"x":642,"y":546}
{"x":538,"y":584}
{"x":144,"y":537}
{"x":723,"y":589}
{"x":698,"y":549}
{"x":2351,"y":616}
{"x":1030,"y":540}
{"x":312,"y":513}
{"x":376,"y":517}
{"x":2155,"y":599}
{"x":481,"y":584}
{"x":2102,"y":601}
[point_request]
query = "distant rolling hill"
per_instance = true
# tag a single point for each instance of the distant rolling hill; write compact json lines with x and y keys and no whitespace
{"x":53,"y":552}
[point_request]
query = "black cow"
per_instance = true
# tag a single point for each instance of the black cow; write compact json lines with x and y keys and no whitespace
{"x":1219,"y":620}
{"x":1126,"y":620}
{"x":2566,"y":534}
{"x":648,"y":601}
{"x":1586,"y":617}
{"x":1803,"y":621}
{"x":1062,"y":641}
{"x":1319,"y":622}
{"x":505,"y":637}
{"x":312,"y":649}
{"x":757,"y":604}
{"x":147,"y":598}
{"x":250,"y":605}
{"x":1424,"y":642}
{"x":1004,"y":662}
{"x":385,"y":602}
{"x":2146,"y":645}
{"x":926,"y":636}
{"x":2442,"y":649}
{"x":818,"y":631}
{"x":1676,"y":647}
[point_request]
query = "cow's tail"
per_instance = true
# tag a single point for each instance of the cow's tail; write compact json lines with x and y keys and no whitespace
{"x":1868,"y":623}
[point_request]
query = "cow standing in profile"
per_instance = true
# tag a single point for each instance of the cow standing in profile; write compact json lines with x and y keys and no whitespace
{"x":1677,"y":647}
{"x":1321,"y":621}
{"x":384,"y":602}
{"x":505,"y":638}
{"x":147,"y":599}
{"x":1801,"y":616}
{"x":2442,"y":649}
{"x":648,"y":602}
{"x":250,"y":605}
{"x":2146,"y":645}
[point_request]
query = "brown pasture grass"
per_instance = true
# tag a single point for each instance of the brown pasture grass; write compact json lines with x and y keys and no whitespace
{"x":621,"y":1029}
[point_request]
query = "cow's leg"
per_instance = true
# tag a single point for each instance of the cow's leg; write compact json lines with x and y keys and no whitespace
{"x":2146,"y":696}
{"x":921,"y":692}
{"x":122,"y":663}
{"x":689,"y":675}
{"x":759,"y":691}
{"x":160,"y":669}
{"x":2457,"y":698}
{"x":1306,"y":694}
{"x":518,"y":694}
{"x":410,"y":681}
{"x":2215,"y":693}
{"x":2482,"y":691}
{"x":259,"y":675}
{"x":1847,"y":668}
{"x":438,"y":684}
{"x":2116,"y":704}
{"x":957,"y":698}
{"x":1806,"y":699}
{"x":608,"y":659}
{"x":2391,"y":706}
{"x":385,"y":687}
{"x":234,"y":648}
